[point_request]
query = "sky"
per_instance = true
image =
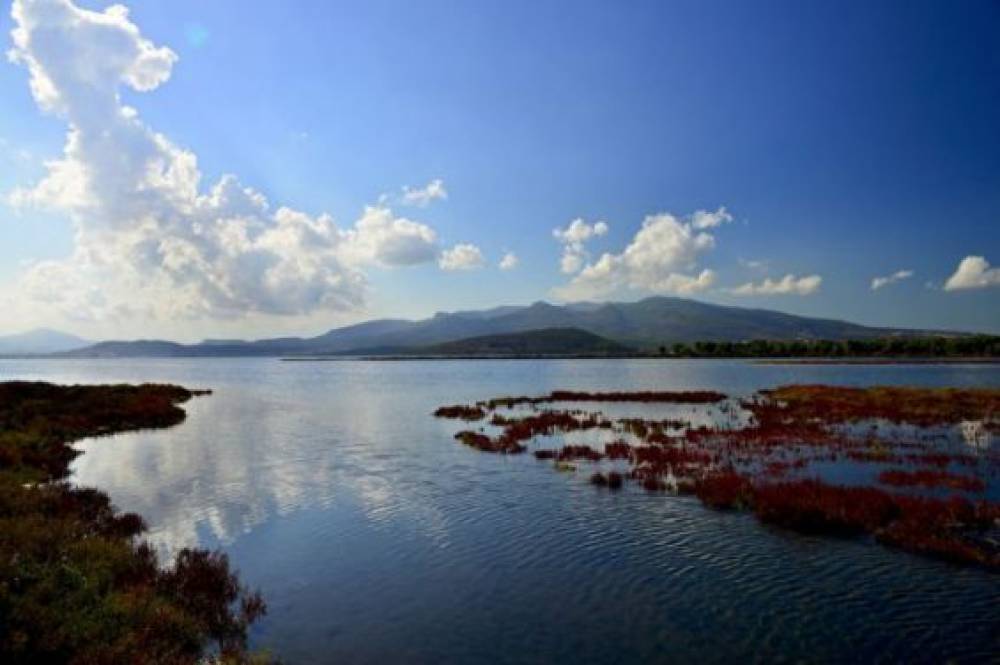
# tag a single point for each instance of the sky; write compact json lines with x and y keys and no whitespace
{"x":186,"y":169}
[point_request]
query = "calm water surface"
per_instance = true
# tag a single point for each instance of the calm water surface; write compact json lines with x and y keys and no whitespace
{"x":375,"y":537}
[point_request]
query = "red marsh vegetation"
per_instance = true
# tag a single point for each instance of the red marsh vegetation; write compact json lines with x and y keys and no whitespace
{"x":774,"y":461}
{"x":919,"y":406}
{"x":642,"y":396}
{"x":461,"y":412}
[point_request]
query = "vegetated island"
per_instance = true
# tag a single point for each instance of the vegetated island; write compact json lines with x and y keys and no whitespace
{"x":77,"y":585}
{"x":914,"y":467}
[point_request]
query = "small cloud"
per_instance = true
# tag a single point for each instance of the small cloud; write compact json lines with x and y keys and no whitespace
{"x":422,"y":197}
{"x":754,"y":264}
{"x":703,"y":219}
{"x":579,"y":231}
{"x":787,"y":285}
{"x":573,"y":237}
{"x":899,"y":275}
{"x":974,"y":272}
{"x":509,"y":261}
{"x":463,"y":256}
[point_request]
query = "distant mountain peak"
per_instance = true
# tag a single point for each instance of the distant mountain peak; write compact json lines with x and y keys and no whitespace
{"x":40,"y":340}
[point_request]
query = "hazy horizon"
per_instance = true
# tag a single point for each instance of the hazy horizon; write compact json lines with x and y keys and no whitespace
{"x":317,"y":332}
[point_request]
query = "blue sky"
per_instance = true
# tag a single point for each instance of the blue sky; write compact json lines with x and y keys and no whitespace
{"x":846,"y":141}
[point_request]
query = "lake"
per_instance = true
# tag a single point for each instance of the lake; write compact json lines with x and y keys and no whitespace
{"x":375,"y":537}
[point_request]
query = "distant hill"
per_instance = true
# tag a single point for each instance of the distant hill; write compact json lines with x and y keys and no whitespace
{"x":646,"y":324}
{"x":546,"y":342}
{"x":40,"y":340}
{"x":153,"y":348}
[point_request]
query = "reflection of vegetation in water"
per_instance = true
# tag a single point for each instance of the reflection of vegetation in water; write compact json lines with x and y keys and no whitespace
{"x":774,"y":454}
{"x":75,"y":583}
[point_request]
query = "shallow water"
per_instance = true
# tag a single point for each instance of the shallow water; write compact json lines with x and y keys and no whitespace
{"x":374,"y":536}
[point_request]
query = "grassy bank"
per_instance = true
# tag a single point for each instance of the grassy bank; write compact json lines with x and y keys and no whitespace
{"x":77,"y":583}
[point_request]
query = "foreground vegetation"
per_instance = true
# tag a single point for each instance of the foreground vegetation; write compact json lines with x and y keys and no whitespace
{"x":77,"y":585}
{"x":913,"y":467}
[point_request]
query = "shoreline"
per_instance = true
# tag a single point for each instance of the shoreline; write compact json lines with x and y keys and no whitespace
{"x":753,"y":360}
{"x":60,"y":535}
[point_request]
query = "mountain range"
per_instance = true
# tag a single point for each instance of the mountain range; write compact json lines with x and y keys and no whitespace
{"x":643,"y":325}
{"x":40,"y":340}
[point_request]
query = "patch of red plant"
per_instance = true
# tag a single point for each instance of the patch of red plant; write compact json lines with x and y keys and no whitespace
{"x":642,"y":396}
{"x":665,"y":458}
{"x":617,"y":450}
{"x":816,"y":507}
{"x":643,"y":428}
{"x":724,"y":490}
{"x":920,"y":406}
{"x":665,"y":396}
{"x":487,"y":445}
{"x":579,"y":452}
{"x":461,"y":412}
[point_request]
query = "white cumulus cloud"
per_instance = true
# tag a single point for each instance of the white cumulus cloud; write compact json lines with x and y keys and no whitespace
{"x":974,"y":272}
{"x":660,"y":259}
{"x":379,"y":237}
{"x":509,"y":261}
{"x":787,"y":285}
{"x":573,"y":238}
{"x":703,"y":219}
{"x":898,"y":276}
{"x":423,"y":196}
{"x":149,"y":238}
{"x":463,"y":256}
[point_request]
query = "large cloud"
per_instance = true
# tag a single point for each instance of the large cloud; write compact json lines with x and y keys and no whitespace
{"x":149,"y":239}
{"x":661,"y":258}
{"x":974,"y":272}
